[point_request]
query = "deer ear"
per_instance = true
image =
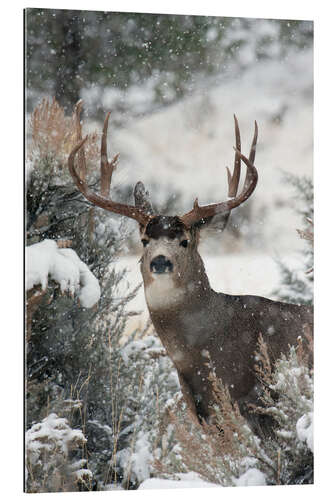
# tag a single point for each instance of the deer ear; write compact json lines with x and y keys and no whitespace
{"x":141,"y":197}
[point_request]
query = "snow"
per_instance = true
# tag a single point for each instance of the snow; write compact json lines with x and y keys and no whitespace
{"x":83,"y":474}
{"x":289,"y":378}
{"x":45,"y":260}
{"x":52,"y":433}
{"x":141,"y":458}
{"x":132,"y":348}
{"x":48,"y":444}
{"x":304,"y":429}
{"x":252,"y":477}
{"x":188,"y":480}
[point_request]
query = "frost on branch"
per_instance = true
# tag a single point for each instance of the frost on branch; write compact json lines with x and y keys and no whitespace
{"x":45,"y":260}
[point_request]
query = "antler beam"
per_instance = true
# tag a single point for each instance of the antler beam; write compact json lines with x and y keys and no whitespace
{"x":106,"y":175}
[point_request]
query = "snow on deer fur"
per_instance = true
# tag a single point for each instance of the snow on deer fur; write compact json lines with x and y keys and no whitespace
{"x":45,"y":259}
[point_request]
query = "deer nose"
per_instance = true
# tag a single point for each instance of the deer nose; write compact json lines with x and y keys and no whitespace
{"x":160,"y":265}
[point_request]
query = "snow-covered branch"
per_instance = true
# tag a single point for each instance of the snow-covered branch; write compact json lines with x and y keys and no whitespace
{"x":46,"y":260}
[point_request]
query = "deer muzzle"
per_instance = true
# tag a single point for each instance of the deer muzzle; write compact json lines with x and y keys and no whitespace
{"x":161,"y":265}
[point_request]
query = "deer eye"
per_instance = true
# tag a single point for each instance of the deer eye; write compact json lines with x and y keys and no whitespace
{"x":145,"y":242}
{"x":184,"y":243}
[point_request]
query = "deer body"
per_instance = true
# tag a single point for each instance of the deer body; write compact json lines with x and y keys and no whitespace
{"x":226,"y":332}
{"x":197,"y":326}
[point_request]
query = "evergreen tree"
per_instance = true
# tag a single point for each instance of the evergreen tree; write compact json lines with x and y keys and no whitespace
{"x":296,"y":286}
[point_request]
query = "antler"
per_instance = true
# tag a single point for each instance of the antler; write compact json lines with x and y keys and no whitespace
{"x":198,"y":213}
{"x":106,"y":175}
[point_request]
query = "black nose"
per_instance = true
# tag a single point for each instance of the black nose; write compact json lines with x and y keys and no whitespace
{"x":160,"y":265}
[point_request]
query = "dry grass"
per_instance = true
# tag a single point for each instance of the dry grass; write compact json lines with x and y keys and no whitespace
{"x":55,"y":134}
{"x":213,"y":450}
{"x":224,"y":448}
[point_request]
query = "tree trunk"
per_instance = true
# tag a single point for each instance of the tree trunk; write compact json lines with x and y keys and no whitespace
{"x":67,"y":81}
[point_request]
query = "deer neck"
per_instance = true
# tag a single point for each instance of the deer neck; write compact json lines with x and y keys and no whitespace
{"x":180,"y":313}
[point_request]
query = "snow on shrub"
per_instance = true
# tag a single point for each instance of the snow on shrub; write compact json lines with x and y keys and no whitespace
{"x":304,"y":429}
{"x":48,"y":445}
{"x":45,"y":259}
{"x":236,"y":456}
{"x":147,"y":380}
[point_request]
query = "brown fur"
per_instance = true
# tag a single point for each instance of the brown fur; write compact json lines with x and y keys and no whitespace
{"x":205,"y":326}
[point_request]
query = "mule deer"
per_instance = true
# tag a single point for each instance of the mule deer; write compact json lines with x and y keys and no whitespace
{"x":192,"y":320}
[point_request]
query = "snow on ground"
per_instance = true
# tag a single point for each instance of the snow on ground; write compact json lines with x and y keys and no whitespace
{"x":188,"y":480}
{"x":252,"y":477}
{"x":45,"y":260}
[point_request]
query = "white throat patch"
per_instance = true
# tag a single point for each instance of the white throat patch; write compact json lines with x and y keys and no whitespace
{"x":162,"y":293}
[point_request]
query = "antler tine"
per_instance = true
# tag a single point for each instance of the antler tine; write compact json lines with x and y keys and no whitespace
{"x":122,"y":209}
{"x":81,"y":184}
{"x":252,"y":153}
{"x":233,"y":180}
{"x":254,"y":143}
{"x":107,"y":167}
{"x":199,"y":213}
{"x":82,"y":166}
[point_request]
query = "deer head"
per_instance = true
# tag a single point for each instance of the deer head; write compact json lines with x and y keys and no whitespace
{"x":170,"y":257}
